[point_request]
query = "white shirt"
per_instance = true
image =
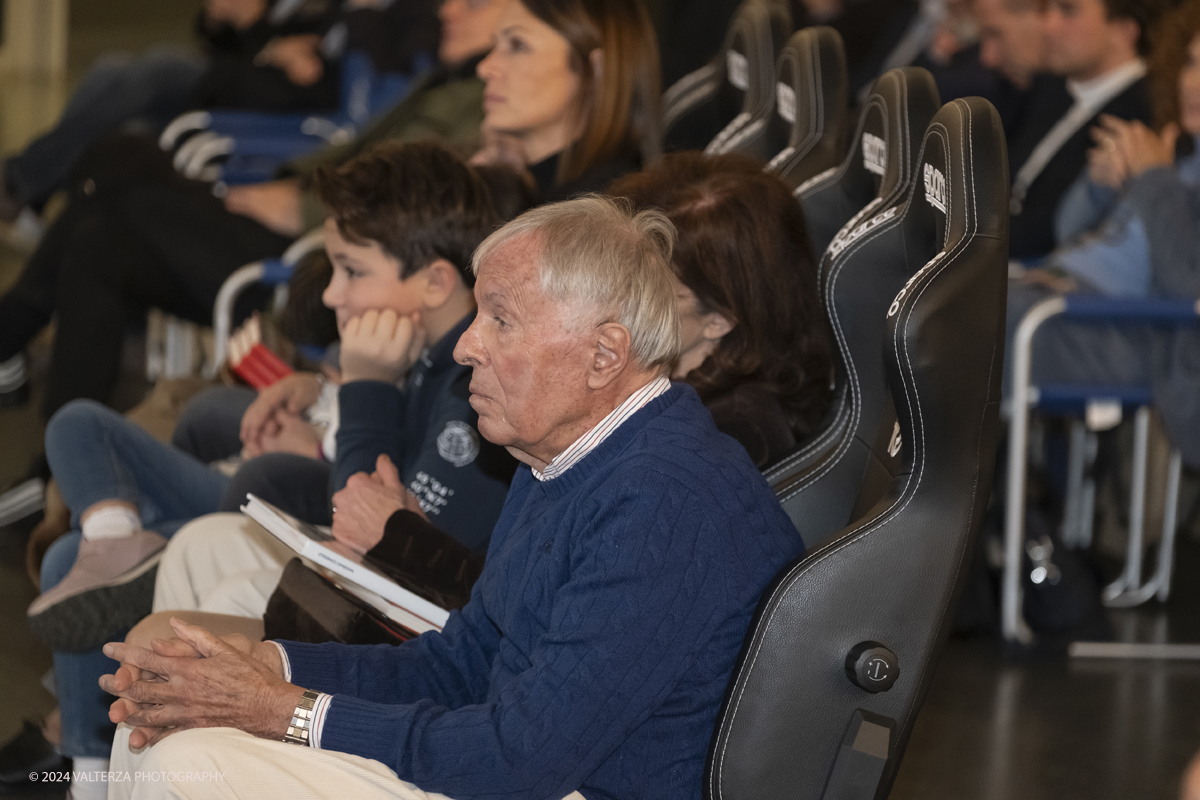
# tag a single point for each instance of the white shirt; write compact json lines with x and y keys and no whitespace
{"x":602,"y":430}
{"x":1090,"y":97}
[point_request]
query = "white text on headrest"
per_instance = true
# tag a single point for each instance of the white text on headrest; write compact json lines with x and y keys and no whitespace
{"x":738,"y":69}
{"x":935,"y":188}
{"x":785,"y":97}
{"x":874,"y":154}
{"x":847,"y":236}
{"x":896,"y":442}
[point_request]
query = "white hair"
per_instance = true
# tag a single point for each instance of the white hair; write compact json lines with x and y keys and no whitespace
{"x":597,"y":254}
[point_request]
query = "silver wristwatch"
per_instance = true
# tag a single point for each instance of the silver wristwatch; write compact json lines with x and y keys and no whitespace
{"x":301,"y":726}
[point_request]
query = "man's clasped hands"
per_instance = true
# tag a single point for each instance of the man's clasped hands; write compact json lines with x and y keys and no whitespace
{"x":199,"y":680}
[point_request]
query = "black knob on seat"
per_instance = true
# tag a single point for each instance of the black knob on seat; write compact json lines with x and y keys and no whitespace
{"x":872,"y":667}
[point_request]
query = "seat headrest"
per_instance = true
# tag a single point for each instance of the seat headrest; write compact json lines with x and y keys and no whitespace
{"x":702,"y":104}
{"x":756,"y":36}
{"x":810,"y":105}
{"x":959,"y":202}
{"x":878,"y":165}
{"x":891,"y":577}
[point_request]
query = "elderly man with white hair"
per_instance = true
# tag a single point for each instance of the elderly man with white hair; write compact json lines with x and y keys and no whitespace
{"x":621,"y":577}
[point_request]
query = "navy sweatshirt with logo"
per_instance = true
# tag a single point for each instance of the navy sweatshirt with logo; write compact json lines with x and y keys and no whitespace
{"x":598,"y":641}
{"x":431,"y":433}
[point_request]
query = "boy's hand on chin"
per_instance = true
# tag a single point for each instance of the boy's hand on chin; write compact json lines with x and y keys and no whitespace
{"x":381,"y":346}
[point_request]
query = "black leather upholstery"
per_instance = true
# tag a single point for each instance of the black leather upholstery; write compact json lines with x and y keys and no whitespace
{"x":859,"y":276}
{"x":810,"y":115}
{"x":891,"y":577}
{"x":737,"y":86}
{"x":894,"y":119}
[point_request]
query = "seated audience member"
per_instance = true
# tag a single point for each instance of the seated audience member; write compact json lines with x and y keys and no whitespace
{"x":257,"y":54}
{"x":572,"y":93}
{"x":1012,"y":44}
{"x":136,"y":234}
{"x":754,"y":345}
{"x":405,"y":220}
{"x":598,"y":642}
{"x":755,"y":342}
{"x":1148,"y":245}
{"x":1094,"y":46}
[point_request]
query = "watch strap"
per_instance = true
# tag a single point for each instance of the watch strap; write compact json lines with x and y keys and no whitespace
{"x":300,"y":727}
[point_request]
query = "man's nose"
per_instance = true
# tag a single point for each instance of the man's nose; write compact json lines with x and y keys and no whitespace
{"x":467,"y":347}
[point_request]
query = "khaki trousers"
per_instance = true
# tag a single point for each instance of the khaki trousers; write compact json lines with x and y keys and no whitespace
{"x":220,"y":563}
{"x":227,"y":763}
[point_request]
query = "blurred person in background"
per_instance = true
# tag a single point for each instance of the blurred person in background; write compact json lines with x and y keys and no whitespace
{"x":136,"y":234}
{"x":257,"y":54}
{"x":572,"y":93}
{"x":1135,"y":219}
{"x":1095,"y":49}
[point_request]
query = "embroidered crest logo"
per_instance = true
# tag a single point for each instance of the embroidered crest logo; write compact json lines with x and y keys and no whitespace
{"x":458,"y":443}
{"x":874,"y":152}
{"x":935,"y":188}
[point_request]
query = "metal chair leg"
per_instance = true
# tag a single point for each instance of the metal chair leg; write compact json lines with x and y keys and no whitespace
{"x":1128,"y":590}
{"x":1087,"y":521}
{"x":1012,"y":617}
{"x":1072,"y":524}
{"x":1166,"y":547}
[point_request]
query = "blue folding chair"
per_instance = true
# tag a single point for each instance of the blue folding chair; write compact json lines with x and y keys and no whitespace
{"x":1080,"y":401}
{"x":274,"y":272}
{"x":247,"y":146}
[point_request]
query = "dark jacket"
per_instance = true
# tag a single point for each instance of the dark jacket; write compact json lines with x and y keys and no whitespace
{"x":431,"y":433}
{"x":597,"y":179}
{"x":1031,"y":232}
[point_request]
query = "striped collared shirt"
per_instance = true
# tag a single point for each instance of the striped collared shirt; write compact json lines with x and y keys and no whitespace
{"x":592,"y":439}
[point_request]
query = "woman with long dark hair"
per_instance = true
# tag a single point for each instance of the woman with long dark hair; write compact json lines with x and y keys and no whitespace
{"x":756,"y":344}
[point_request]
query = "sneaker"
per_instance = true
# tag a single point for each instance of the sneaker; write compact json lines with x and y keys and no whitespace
{"x":26,"y":754}
{"x":24,"y":233}
{"x":110,"y":588}
{"x":22,"y":500}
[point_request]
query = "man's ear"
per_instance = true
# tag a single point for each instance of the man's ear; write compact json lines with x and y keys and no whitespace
{"x":1129,"y":31}
{"x":610,"y":354}
{"x":441,"y":282}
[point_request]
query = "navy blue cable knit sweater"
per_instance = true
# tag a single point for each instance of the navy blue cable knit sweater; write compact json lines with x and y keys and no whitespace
{"x":598,"y":642}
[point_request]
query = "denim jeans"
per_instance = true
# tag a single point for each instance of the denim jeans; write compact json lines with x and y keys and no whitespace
{"x":96,"y":454}
{"x":210,"y":425}
{"x":153,"y":86}
{"x":86,"y":730}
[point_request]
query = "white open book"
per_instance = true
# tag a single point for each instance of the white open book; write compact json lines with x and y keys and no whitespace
{"x":368,"y":583}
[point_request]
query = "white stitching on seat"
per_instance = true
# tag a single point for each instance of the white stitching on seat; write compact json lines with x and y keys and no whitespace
{"x":910,"y":490}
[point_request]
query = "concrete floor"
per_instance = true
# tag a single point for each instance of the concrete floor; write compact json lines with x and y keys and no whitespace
{"x":992,"y":728}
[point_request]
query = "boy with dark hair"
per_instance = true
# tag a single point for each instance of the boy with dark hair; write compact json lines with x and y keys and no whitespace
{"x":401,"y":304}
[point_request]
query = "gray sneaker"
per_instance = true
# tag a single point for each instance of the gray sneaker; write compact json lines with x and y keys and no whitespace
{"x":109,"y":589}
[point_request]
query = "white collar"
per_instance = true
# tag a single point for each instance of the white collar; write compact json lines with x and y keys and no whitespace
{"x":1095,"y":93}
{"x":603,"y":429}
